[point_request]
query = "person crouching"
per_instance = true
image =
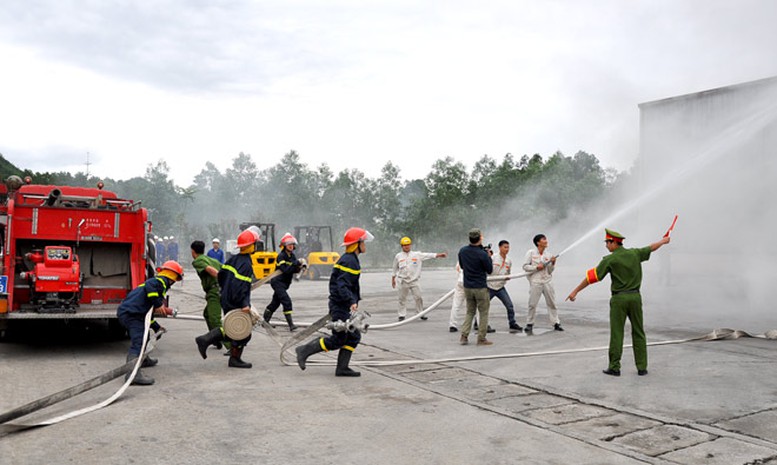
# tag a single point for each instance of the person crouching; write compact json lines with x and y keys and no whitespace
{"x":133,"y":309}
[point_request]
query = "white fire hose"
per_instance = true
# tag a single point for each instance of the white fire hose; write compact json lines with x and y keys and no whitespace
{"x":146,"y":348}
{"x":716,"y":335}
{"x":440,"y":301}
{"x":242,"y":323}
{"x":52,"y":399}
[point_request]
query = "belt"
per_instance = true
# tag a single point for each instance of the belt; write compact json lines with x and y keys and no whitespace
{"x":632,"y":291}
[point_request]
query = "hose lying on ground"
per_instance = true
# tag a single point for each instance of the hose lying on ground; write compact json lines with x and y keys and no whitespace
{"x":716,"y":335}
{"x":7,"y":428}
{"x":132,"y":367}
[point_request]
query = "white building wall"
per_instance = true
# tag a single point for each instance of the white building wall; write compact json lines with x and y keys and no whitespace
{"x":716,"y":153}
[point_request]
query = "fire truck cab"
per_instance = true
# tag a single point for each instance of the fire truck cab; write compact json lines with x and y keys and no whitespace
{"x":69,"y":252}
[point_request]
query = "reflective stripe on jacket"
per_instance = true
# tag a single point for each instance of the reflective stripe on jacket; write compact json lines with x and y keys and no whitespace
{"x":344,"y":282}
{"x":235,"y":279}
{"x":150,"y":294}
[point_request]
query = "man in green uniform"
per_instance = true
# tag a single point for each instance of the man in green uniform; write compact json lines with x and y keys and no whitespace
{"x":207,"y":269}
{"x":625,"y":268}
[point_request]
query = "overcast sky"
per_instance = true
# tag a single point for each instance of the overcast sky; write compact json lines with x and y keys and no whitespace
{"x":355,"y":84}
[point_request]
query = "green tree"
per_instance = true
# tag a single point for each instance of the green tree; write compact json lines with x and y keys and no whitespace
{"x":437,"y":209}
{"x":387,"y":204}
{"x":447,"y":210}
{"x":447,"y":183}
{"x":293,"y":189}
{"x":163,"y":198}
{"x":242,"y":186}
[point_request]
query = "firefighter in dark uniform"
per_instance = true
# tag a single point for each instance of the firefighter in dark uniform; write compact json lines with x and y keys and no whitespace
{"x":288,"y":265}
{"x":235,"y":279}
{"x":133,"y":309}
{"x":343,"y":300}
{"x":625,"y":268}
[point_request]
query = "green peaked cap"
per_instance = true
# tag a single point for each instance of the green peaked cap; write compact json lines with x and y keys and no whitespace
{"x":614,"y":234}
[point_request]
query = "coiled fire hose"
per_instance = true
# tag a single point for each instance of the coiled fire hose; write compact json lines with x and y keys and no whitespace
{"x":132,"y":367}
{"x":252,"y":320}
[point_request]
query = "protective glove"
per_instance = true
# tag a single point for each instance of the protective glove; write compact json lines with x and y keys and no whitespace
{"x":158,"y":333}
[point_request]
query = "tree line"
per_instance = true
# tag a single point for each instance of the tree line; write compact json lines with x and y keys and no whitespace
{"x":436,"y":210}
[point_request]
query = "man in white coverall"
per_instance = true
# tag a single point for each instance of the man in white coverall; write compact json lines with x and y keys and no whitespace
{"x":459,"y":305}
{"x":540,"y":266}
{"x":407,"y":272}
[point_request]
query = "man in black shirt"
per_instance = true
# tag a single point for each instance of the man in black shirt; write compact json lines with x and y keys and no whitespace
{"x":476,"y":265}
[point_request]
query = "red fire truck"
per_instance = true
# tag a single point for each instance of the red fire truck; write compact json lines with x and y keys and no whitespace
{"x":69,"y":252}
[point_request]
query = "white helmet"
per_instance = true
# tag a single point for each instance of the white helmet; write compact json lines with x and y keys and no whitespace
{"x":167,"y":238}
{"x":288,"y":239}
{"x":258,"y":232}
{"x":172,"y":237}
{"x":216,"y":240}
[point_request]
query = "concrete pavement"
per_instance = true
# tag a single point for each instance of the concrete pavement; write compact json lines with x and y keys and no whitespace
{"x":703,"y":402}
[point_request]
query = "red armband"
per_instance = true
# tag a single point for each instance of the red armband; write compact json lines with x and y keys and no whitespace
{"x":591,"y":276}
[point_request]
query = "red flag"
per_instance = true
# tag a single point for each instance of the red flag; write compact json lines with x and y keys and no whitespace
{"x":669,"y":231}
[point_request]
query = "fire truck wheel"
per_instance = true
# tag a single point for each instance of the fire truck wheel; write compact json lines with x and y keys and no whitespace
{"x":6,"y":330}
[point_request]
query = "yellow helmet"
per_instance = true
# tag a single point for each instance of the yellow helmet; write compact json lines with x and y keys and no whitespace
{"x":405,"y":241}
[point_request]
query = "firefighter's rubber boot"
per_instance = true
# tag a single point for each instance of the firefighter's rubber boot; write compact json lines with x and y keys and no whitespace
{"x":292,"y":326}
{"x":140,"y":379}
{"x":268,"y":316}
{"x":343,"y":358}
{"x":305,"y":351}
{"x":234,"y":358}
{"x":211,"y":337}
{"x":148,"y":362}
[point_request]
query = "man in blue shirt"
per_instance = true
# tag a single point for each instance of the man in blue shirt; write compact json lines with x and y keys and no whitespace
{"x":216,"y":251}
{"x":161,"y":250}
{"x":172,"y":249}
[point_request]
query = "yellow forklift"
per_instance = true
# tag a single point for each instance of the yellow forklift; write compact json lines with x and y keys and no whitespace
{"x":265,"y":257}
{"x":316,"y":245}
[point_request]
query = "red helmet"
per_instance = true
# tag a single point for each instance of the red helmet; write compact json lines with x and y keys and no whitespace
{"x":354,"y":235}
{"x":174,"y":266}
{"x":246,"y":238}
{"x":288,"y":239}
